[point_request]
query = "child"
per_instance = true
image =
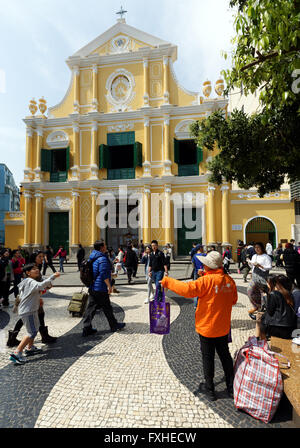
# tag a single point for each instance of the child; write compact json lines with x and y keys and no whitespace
{"x":29,"y":293}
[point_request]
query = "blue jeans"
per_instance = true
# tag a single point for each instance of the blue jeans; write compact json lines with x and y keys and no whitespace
{"x":61,"y":264}
{"x":157,"y":277}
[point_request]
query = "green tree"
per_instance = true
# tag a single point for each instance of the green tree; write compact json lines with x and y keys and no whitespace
{"x":260,"y":150}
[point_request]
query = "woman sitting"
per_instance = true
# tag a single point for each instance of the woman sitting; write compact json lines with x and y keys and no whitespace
{"x":280,"y":318}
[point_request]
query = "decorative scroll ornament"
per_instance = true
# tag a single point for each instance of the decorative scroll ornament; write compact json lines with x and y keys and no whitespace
{"x":59,"y":203}
{"x":58,"y":139}
{"x":249,"y":196}
{"x":120,"y":86}
{"x":118,"y":127}
{"x":182,"y":130}
{"x":120,"y":44}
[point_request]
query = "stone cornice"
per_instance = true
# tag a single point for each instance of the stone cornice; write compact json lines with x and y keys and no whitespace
{"x":173,"y":111}
{"x":123,"y":58}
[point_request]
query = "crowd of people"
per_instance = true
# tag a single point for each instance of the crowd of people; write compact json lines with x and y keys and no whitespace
{"x":275,"y":298}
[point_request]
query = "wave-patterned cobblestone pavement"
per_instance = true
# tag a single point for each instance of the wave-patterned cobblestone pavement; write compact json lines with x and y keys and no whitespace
{"x":24,"y":389}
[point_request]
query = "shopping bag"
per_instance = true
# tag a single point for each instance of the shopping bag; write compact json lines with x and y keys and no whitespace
{"x":258,"y":384}
{"x":159,"y":313}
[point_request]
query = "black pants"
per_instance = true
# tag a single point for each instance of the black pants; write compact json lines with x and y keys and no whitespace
{"x":129,"y":271}
{"x":79,"y":261}
{"x":208,"y":347}
{"x":4,"y":292}
{"x":50,"y":264}
{"x":293,"y":275}
{"x":99,"y":300}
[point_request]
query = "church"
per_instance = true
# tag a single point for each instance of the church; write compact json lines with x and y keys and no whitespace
{"x":122,"y":129}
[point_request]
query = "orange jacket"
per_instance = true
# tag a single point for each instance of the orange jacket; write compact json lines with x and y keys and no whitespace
{"x":217,"y":294}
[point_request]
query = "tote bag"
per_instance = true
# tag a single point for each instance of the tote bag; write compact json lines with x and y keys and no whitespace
{"x":159,"y":313}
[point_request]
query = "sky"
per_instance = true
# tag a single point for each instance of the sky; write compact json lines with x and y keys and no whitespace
{"x":37,"y":36}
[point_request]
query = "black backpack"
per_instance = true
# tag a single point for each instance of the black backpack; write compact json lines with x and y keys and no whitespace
{"x":86,"y":272}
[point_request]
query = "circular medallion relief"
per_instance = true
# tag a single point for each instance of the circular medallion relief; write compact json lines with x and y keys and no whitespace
{"x":120,"y":88}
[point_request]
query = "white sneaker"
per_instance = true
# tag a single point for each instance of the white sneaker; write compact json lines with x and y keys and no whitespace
{"x":152,"y":297}
{"x":296,"y":341}
{"x":146,"y":301}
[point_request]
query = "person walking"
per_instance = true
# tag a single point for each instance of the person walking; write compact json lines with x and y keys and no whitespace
{"x":6,"y":277}
{"x":227,"y":256}
{"x":245,"y":268}
{"x":217,"y":293}
{"x":30,"y":289}
{"x":142,"y":249}
{"x":146,"y":261}
{"x":18,"y":262}
{"x":239,"y":254}
{"x":198,"y":267}
{"x":37,"y":259}
{"x":99,"y":291}
{"x":135,"y":268}
{"x":269,"y":249}
{"x":80,"y":256}
{"x":261,"y":264}
{"x":291,"y":261}
{"x":62,"y":254}
{"x":157,"y":268}
{"x":168,"y":254}
{"x":48,"y":262}
{"x":120,"y":258}
{"x":280,"y":318}
{"x":131,"y":261}
{"x":278,"y":260}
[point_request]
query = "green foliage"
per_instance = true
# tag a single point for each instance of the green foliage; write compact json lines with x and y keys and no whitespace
{"x":267,"y":49}
{"x":255,"y":151}
{"x":260,"y":150}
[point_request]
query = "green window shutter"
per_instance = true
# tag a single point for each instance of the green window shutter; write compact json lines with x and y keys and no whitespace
{"x":67,"y":158}
{"x":137,"y":154}
{"x":104,"y":157}
{"x":121,"y":139}
{"x":176,"y":150}
{"x":46,"y":160}
{"x":199,"y":155}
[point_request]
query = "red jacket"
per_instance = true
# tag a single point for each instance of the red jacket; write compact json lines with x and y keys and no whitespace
{"x":18,"y":264}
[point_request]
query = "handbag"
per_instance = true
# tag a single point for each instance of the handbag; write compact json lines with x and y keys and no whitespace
{"x":159,"y":313}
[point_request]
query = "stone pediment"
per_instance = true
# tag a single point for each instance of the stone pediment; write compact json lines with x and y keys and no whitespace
{"x":120,"y":38}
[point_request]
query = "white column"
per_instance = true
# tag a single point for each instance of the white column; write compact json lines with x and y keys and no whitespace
{"x":75,"y":219}
{"x":38,"y":220}
{"x":28,"y":158}
{"x":225,"y":216}
{"x":27,"y":218}
{"x":147,"y":215}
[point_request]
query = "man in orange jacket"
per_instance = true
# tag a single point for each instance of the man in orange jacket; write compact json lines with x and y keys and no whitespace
{"x":217,"y":294}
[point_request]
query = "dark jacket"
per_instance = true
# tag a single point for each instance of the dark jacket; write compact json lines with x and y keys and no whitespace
{"x":131,"y":259}
{"x":101,"y":269}
{"x":158,"y":261}
{"x":80,"y":254}
{"x":291,"y":260}
{"x":279,"y":313}
{"x":296,"y":297}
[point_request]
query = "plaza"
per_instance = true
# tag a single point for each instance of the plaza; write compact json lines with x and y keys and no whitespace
{"x":128,"y":379}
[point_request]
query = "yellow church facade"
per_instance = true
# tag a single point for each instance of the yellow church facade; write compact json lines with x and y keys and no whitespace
{"x":123,"y":129}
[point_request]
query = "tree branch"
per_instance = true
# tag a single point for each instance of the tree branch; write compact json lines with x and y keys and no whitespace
{"x":262,"y":58}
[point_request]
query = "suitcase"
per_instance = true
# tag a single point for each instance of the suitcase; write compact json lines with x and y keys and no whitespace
{"x":78,"y":304}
